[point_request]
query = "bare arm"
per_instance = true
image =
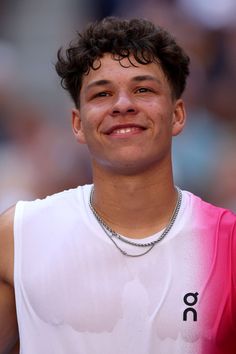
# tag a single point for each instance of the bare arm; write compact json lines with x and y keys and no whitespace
{"x":8,"y":322}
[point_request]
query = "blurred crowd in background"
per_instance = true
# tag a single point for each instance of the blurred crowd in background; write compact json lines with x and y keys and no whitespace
{"x":38,"y":153}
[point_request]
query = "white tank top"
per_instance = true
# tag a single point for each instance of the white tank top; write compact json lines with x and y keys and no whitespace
{"x":77,"y":294}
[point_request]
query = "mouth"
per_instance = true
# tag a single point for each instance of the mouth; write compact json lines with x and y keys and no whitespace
{"x":125,"y":130}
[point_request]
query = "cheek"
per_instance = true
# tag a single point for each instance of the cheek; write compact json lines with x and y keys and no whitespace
{"x":89,"y":127}
{"x":92,"y":116}
{"x":162,"y":118}
{"x":158,"y":109}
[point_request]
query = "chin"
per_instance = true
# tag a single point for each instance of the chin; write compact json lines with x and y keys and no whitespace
{"x":130,"y":168}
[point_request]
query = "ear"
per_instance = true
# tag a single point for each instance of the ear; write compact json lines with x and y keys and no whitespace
{"x":77,"y":126}
{"x":179,"y":117}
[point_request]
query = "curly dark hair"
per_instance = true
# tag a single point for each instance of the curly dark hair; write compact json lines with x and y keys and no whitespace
{"x":122,"y":38}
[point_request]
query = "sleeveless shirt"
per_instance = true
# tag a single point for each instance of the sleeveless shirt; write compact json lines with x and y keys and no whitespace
{"x":77,"y":294}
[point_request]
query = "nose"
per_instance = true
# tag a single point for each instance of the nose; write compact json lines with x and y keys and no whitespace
{"x":123,"y":104}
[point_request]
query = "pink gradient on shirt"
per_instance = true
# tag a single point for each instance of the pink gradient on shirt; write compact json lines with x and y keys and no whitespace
{"x":217,"y":299}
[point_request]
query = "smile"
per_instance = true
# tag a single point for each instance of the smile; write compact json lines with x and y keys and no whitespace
{"x":123,"y":131}
{"x":126,"y":130}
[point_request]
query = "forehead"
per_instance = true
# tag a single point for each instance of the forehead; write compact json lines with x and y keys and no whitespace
{"x":109,"y":68}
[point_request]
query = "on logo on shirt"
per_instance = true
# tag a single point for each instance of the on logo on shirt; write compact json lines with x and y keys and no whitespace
{"x":190,"y":299}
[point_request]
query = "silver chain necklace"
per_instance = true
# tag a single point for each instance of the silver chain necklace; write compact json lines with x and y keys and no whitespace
{"x":112,"y":234}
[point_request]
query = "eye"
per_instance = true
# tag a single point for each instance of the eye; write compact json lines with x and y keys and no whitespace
{"x":102,"y":94}
{"x":143,"y":90}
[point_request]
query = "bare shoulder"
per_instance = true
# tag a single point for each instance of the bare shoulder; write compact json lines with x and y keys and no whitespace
{"x":7,"y":246}
{"x":8,"y":321}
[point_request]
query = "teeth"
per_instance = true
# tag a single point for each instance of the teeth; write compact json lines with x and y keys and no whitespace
{"x":123,"y":130}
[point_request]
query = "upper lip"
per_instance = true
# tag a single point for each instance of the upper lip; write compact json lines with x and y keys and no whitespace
{"x":124,"y":126}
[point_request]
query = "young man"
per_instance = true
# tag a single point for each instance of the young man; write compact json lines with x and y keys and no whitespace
{"x":131,"y":264}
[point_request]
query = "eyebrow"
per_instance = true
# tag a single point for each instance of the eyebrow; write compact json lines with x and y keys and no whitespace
{"x":138,"y":78}
{"x":141,"y":78}
{"x":98,"y":83}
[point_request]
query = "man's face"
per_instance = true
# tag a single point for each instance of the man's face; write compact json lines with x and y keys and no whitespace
{"x":127,"y":115}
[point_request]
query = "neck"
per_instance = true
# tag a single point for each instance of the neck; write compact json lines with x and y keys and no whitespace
{"x":137,"y":205}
